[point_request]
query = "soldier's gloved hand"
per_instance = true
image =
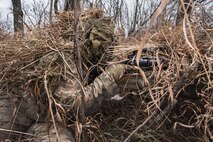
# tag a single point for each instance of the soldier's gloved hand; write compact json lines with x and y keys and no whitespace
{"x":127,"y":77}
{"x":131,"y":82}
{"x":117,"y":70}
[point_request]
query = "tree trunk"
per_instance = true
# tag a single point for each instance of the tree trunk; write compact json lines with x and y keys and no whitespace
{"x":69,"y":5}
{"x":18,"y":17}
{"x":180,"y":12}
{"x":51,"y":9}
{"x":56,"y":6}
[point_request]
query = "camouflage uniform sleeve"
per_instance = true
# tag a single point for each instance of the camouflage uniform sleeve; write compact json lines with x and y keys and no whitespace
{"x":103,"y":87}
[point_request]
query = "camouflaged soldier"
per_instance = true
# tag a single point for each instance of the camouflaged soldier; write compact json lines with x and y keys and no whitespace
{"x":27,"y":116}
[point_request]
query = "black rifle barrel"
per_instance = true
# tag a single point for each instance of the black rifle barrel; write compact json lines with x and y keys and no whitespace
{"x":143,"y":62}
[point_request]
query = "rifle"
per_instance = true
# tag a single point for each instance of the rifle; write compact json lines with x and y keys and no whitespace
{"x":145,"y":62}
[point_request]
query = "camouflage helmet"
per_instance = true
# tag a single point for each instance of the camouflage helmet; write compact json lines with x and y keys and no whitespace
{"x":100,"y":35}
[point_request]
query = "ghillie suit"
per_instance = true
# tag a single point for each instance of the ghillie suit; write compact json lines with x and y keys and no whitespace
{"x":40,"y":86}
{"x":41,"y":89}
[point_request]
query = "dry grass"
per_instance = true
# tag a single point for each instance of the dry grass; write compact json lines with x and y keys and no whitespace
{"x":177,"y":106}
{"x":183,"y":90}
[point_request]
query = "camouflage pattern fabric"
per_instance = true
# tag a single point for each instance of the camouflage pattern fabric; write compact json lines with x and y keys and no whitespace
{"x":24,"y":116}
{"x":100,"y":35}
{"x":16,"y":115}
{"x":104,"y":87}
{"x":45,"y":132}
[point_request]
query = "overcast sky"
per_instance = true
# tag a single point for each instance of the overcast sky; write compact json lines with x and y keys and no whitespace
{"x":5,"y":5}
{"x":6,"y":15}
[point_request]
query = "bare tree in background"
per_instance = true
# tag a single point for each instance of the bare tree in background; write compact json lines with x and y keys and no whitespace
{"x":5,"y":24}
{"x":51,"y":9}
{"x":56,"y":6}
{"x":70,"y":4}
{"x":36,"y":13}
{"x":18,"y":16}
{"x":50,"y":13}
{"x":180,"y":13}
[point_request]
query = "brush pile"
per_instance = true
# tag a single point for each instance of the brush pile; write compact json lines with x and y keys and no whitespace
{"x":44,"y":50}
{"x":177,"y":106}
